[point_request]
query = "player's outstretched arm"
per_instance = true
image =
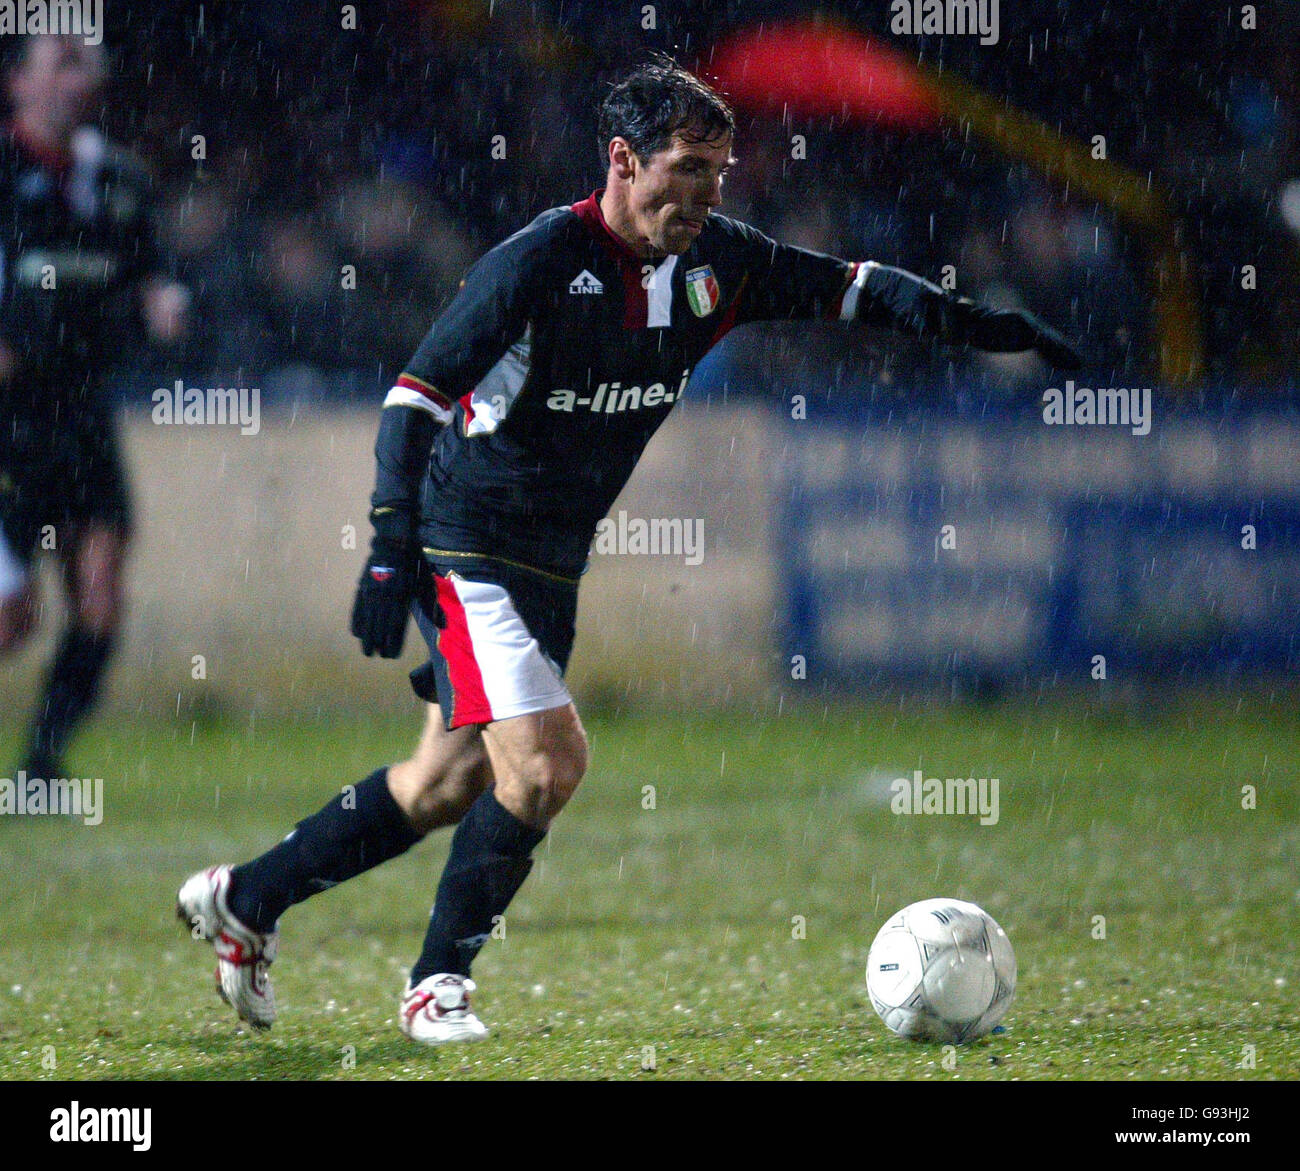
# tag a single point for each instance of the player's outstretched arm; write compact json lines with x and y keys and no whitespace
{"x":883,"y":295}
{"x":787,"y":283}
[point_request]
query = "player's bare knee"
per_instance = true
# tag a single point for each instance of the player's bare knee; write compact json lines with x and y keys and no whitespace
{"x":577,"y":758}
{"x":436,"y":788}
{"x":450,"y":789}
{"x":548,"y":779}
{"x":439,"y":806}
{"x":568,"y":750}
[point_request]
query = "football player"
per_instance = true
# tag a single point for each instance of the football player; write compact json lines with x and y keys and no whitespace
{"x":77,"y":262}
{"x":502,"y":445}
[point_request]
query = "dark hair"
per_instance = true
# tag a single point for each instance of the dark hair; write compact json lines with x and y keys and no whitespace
{"x":657,"y":100}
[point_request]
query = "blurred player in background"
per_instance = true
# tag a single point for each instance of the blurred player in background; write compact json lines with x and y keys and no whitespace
{"x":77,"y":266}
{"x":504,"y":443}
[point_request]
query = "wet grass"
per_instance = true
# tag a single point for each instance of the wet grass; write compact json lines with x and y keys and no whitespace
{"x":1154,"y":917}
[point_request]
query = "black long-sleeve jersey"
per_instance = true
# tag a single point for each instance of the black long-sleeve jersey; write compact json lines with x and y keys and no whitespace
{"x":75,"y":237}
{"x":562,"y":354}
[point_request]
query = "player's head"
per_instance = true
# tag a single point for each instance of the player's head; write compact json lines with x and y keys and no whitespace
{"x":56,"y":79}
{"x":666,"y":138}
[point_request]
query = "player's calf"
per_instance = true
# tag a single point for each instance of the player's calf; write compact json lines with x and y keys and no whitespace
{"x":357,"y":830}
{"x":537,"y":761}
{"x":491,"y":856}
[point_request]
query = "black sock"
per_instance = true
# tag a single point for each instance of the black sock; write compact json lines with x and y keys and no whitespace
{"x":70,"y":691}
{"x":488,"y":864}
{"x":359,"y":829}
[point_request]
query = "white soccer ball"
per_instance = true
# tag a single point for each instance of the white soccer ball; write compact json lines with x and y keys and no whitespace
{"x":941,"y":970}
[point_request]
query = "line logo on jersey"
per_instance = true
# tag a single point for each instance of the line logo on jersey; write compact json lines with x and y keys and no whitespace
{"x":612,"y":397}
{"x":584,"y":282}
{"x":702,"y":290}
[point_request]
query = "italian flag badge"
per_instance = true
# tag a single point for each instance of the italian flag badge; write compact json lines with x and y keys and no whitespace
{"x":702,"y":290}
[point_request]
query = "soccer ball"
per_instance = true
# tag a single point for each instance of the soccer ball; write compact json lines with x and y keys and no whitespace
{"x":941,"y":970}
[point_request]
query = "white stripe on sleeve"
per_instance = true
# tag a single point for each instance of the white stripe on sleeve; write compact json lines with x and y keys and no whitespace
{"x":404,"y":396}
{"x":849,"y":306}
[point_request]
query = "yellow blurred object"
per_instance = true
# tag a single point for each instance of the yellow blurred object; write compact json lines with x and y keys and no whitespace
{"x":1136,"y":200}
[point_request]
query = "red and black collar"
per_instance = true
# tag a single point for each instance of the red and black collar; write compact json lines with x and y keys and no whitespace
{"x":588,"y":210}
{"x":628,"y":262}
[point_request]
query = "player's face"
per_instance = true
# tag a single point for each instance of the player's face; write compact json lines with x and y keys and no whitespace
{"x":674,"y":191}
{"x":60,"y":78}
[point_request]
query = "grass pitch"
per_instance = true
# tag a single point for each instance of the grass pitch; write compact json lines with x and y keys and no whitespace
{"x":1153,"y":913}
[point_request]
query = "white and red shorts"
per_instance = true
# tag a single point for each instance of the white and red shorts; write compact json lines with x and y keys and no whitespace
{"x":499,"y":640}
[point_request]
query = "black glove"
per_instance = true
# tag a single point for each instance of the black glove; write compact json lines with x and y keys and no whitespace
{"x":388,"y":583}
{"x":1011,"y":330}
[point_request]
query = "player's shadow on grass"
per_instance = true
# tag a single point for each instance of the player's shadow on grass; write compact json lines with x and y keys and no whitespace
{"x":246,"y":1056}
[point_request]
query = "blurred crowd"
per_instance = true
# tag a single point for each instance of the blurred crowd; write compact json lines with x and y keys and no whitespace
{"x":347,"y":178}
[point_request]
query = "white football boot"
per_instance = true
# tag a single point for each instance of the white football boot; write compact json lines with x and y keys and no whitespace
{"x":243,"y":955}
{"x":437,"y":1011}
